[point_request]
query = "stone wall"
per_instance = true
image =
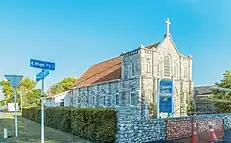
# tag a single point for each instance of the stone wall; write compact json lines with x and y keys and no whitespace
{"x":177,"y":128}
{"x":136,"y":131}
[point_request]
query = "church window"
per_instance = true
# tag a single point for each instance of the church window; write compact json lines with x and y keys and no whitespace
{"x":78,"y":100}
{"x":104,"y":100}
{"x":148,"y":66}
{"x":133,"y":97}
{"x":117,"y":99}
{"x":158,"y":69}
{"x":185,"y":72}
{"x":84,"y":102}
{"x":167,"y":66}
{"x":109,"y":101}
{"x":133,"y":69}
{"x":93,"y":100}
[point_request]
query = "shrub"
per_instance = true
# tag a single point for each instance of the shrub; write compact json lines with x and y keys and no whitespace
{"x":95,"y":124}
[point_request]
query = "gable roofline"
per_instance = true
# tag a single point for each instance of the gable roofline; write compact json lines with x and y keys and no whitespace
{"x":57,"y":95}
{"x":100,"y":72}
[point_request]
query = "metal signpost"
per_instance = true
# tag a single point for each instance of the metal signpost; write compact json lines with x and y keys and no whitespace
{"x":165,"y":97}
{"x":14,"y":81}
{"x":45,"y":66}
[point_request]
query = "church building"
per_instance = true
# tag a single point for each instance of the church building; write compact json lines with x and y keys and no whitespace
{"x":131,"y":79}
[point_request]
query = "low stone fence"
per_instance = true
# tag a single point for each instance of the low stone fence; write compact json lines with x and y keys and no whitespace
{"x":136,"y":131}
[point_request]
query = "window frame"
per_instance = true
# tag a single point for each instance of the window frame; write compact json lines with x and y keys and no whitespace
{"x":107,"y":104}
{"x":148,"y":66}
{"x":168,"y":66}
{"x":94,"y":100}
{"x":132,"y":69}
{"x":131,"y":93}
{"x":185,"y":72}
{"x":117,"y":94}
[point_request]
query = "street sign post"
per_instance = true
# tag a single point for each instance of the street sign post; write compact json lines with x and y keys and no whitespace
{"x":42,"y":75}
{"x":14,"y":81}
{"x":45,"y":66}
{"x":42,"y":64}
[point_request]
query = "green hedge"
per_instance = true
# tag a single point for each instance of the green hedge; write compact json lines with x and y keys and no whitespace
{"x":94,"y":124}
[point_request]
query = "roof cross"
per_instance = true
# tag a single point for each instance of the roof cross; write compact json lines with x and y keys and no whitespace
{"x":167,"y":27}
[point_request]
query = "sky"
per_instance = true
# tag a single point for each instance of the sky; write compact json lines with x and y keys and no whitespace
{"x":78,"y":33}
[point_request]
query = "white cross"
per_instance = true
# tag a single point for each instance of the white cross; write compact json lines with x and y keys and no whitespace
{"x":168,"y":25}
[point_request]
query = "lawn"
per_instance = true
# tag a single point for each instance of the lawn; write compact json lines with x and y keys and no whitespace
{"x":29,"y":132}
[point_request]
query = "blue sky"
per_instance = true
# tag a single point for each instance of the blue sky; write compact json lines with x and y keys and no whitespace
{"x":77,"y":34}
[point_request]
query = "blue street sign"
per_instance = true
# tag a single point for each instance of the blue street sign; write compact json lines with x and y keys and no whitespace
{"x":42,"y":64}
{"x":14,"y":80}
{"x":166,"y":96}
{"x":42,"y":75}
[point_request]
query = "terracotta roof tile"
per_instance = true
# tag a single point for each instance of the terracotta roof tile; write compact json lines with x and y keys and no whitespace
{"x":153,"y":45}
{"x":105,"y":71}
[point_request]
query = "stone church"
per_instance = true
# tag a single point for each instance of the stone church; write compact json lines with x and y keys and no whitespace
{"x":131,"y":79}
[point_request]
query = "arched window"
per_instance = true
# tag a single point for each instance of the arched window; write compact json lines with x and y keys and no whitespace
{"x":104,"y":100}
{"x":133,"y":69}
{"x":84,"y":101}
{"x":167,"y":66}
{"x":109,"y":101}
{"x":117,"y":100}
{"x":148,"y":66}
{"x":78,"y":100}
{"x":93,"y":100}
{"x":133,"y":98}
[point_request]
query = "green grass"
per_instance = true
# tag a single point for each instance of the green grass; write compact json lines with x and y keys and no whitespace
{"x":29,"y":132}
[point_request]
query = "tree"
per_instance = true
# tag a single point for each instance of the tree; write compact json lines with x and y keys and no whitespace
{"x":7,"y":90}
{"x":223,"y":107}
{"x":32,"y":98}
{"x":190,"y":106}
{"x":152,"y":110}
{"x":63,"y":85}
{"x":26,"y":88}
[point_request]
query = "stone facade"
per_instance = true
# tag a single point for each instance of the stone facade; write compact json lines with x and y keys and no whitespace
{"x":141,"y":71}
{"x":149,"y":130}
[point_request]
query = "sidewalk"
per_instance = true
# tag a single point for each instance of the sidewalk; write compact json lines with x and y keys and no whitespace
{"x":29,"y":132}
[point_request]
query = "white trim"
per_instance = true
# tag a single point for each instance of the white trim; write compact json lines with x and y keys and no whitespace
{"x":59,"y":94}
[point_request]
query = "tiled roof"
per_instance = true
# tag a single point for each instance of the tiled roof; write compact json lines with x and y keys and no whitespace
{"x":153,"y":45}
{"x":105,"y":71}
